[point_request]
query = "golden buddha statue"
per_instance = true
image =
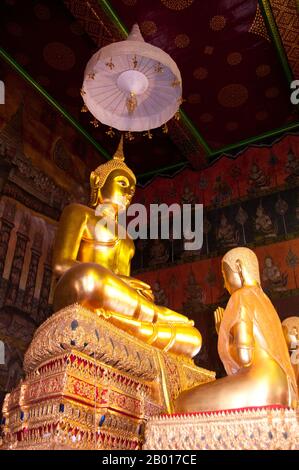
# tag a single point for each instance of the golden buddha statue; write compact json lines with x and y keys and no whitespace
{"x":251,"y":345}
{"x":92,"y":265}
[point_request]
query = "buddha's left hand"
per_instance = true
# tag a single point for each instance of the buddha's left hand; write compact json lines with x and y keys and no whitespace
{"x":143,"y":288}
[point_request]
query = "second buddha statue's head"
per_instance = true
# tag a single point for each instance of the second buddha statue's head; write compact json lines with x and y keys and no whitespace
{"x":113,"y":182}
{"x":240,"y":267}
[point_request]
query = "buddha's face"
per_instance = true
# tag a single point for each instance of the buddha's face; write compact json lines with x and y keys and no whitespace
{"x":232,"y":280}
{"x":118,"y":189}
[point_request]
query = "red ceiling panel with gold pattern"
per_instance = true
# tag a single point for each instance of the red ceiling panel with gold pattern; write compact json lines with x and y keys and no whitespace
{"x":233,"y":82}
{"x":286,"y":14}
{"x":53,"y":40}
{"x":234,"y":85}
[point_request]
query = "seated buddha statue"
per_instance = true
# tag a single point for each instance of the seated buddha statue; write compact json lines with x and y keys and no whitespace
{"x":258,"y":180}
{"x":273,"y":278}
{"x":263,"y":223}
{"x":251,"y":345}
{"x":92,"y":265}
{"x":158,"y":253}
{"x":226,"y":234}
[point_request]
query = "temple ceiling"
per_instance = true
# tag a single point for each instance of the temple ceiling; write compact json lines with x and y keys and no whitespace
{"x":236,"y":57}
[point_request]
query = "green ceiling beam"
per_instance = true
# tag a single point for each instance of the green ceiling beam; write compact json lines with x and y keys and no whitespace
{"x":160,"y":171}
{"x":276,"y":38}
{"x":258,"y":138}
{"x":105,"y":5}
{"x":243,"y":143}
{"x":4,"y":55}
{"x":194,"y":131}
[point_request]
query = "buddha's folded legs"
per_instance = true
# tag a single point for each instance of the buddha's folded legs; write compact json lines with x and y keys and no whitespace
{"x":178,"y":338}
{"x":249,"y":387}
{"x":96,"y":288}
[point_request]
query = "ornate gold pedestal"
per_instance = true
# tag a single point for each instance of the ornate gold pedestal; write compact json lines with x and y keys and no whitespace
{"x":267,"y":428}
{"x":90,"y":385}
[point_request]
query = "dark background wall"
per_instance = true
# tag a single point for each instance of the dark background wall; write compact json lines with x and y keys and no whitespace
{"x":40,"y":172}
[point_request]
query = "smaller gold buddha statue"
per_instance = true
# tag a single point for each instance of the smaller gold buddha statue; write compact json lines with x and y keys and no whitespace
{"x":258,"y":180}
{"x":273,"y":278}
{"x":92,"y":264}
{"x":263,"y":223}
{"x":251,"y":345}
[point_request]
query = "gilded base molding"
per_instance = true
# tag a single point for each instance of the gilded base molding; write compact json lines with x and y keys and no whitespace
{"x":90,"y":385}
{"x":268,"y":428}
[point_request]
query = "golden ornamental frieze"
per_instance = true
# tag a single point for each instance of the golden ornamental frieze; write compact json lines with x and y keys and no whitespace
{"x":75,"y":327}
{"x":262,"y":428}
{"x":89,"y":385}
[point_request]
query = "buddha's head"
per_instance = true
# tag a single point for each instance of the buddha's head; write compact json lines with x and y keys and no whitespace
{"x":113,"y":182}
{"x":240,"y":268}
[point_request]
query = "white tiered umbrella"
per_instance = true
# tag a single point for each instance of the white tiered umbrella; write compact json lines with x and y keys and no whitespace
{"x":132,"y":85}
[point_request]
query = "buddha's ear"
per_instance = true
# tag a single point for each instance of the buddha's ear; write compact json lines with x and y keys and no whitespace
{"x":239,"y":268}
{"x":94,"y":179}
{"x":95,"y":191}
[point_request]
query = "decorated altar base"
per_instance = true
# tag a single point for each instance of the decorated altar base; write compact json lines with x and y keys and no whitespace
{"x":90,"y":385}
{"x":260,"y":428}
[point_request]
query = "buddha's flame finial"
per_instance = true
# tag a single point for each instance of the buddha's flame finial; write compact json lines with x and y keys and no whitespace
{"x":100,"y":174}
{"x":119,"y":154}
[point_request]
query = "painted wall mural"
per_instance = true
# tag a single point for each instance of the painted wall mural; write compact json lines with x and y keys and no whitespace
{"x":40,"y":173}
{"x":26,"y":240}
{"x":257,"y":170}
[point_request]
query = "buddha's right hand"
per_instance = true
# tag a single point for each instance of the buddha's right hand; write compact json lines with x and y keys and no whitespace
{"x":218,"y":315}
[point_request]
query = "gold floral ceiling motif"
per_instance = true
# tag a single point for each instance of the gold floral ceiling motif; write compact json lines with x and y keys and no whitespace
{"x":272,"y":92}
{"x":177,"y":4}
{"x":129,"y":3}
{"x":208,"y":50}
{"x":200,"y":73}
{"x":258,"y":26}
{"x":232,"y":126}
{"x":194,"y":98}
{"x":217,"y":23}
{"x":182,"y":40}
{"x":148,"y":28}
{"x":263,"y":70}
{"x":233,"y":95}
{"x":42,"y":12}
{"x":234,"y":58}
{"x":59,"y":56}
{"x":206,"y":118}
{"x":261,"y":115}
